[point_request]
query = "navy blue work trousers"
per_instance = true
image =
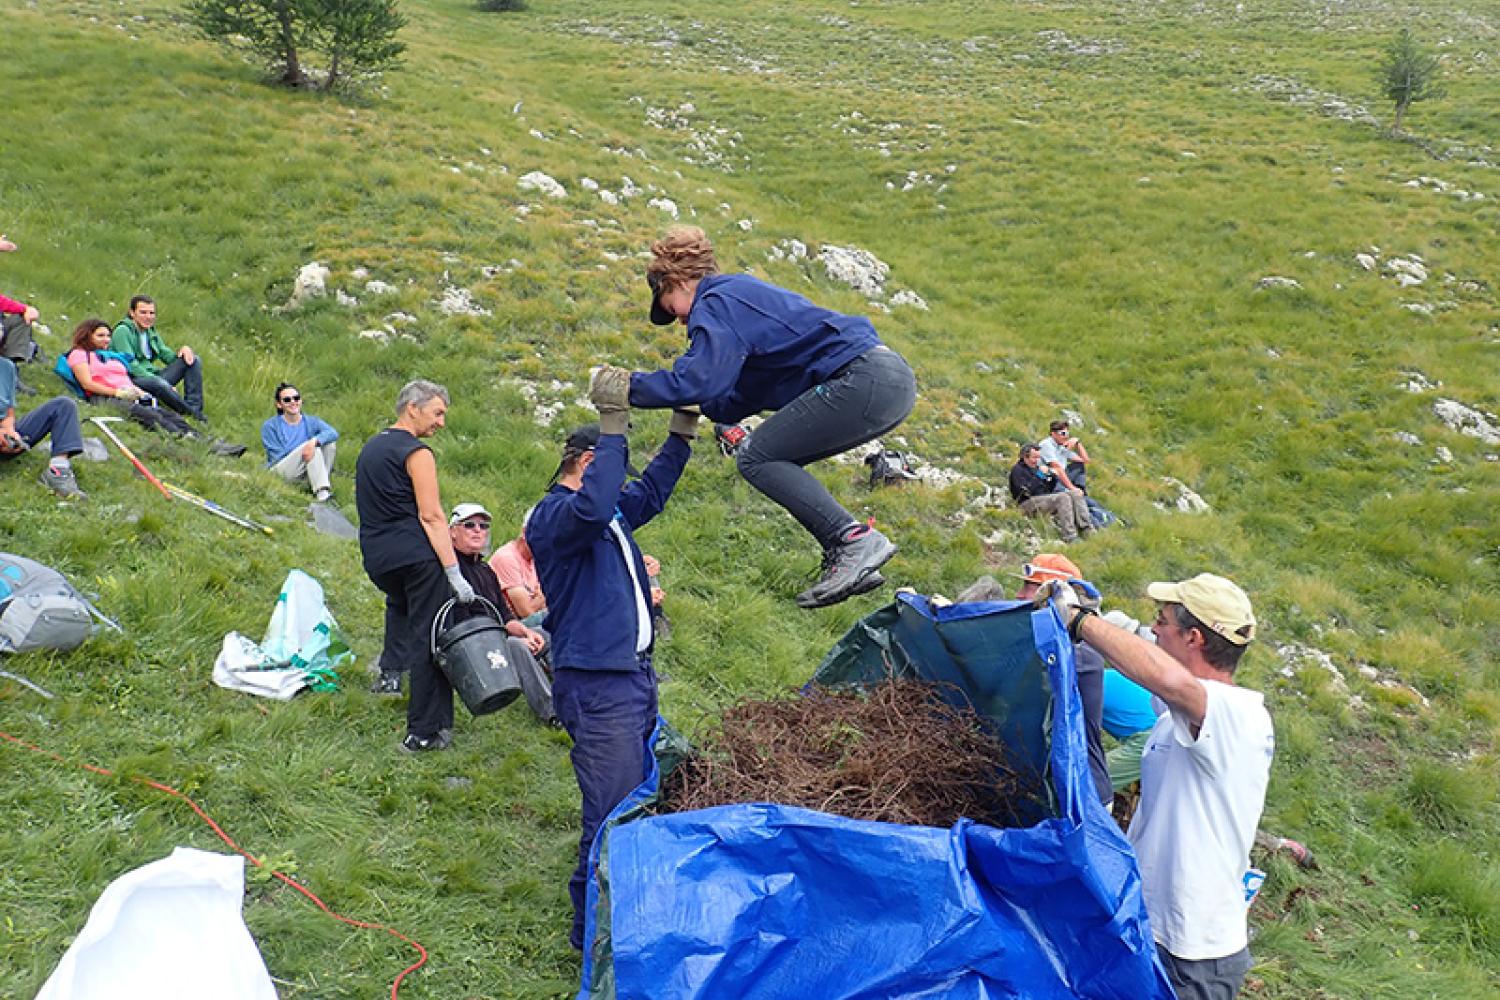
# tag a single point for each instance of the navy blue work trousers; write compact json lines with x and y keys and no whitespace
{"x":610,"y":714}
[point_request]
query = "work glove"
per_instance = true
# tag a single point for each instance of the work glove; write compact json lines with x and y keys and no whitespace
{"x":13,"y":443}
{"x":609,"y":391}
{"x":730,"y":437}
{"x":685,"y":422}
{"x":129,"y":392}
{"x":1067,"y":594}
{"x":461,"y":589}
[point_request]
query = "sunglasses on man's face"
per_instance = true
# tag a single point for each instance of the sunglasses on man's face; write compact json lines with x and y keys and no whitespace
{"x":291,"y":399}
{"x":475,"y":525}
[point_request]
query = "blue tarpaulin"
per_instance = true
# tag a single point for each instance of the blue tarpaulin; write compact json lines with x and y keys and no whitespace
{"x":760,"y":901}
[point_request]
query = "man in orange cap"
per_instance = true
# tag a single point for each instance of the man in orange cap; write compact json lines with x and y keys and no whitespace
{"x":1088,"y":666}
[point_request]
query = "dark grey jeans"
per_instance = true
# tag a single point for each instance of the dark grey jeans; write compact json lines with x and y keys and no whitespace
{"x":160,"y":385}
{"x":1206,"y":979}
{"x":863,"y":400}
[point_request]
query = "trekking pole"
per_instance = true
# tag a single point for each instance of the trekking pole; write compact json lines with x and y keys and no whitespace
{"x":214,"y":508}
{"x":103,"y":424}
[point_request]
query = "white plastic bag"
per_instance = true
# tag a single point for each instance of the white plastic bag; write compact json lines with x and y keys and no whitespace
{"x":301,"y":647}
{"x":170,"y":930}
{"x":242,"y":666}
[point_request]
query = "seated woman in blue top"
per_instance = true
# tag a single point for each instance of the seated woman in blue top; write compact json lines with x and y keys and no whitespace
{"x":299,"y":445}
{"x":755,"y":347}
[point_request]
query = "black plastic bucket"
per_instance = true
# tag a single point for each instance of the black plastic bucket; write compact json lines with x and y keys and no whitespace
{"x":472,"y":655}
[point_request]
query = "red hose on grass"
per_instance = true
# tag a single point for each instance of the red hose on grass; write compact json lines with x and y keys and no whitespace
{"x":364,"y":925}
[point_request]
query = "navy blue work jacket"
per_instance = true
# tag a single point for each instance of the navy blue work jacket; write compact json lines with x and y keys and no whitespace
{"x":754,"y":347}
{"x":591,"y":611}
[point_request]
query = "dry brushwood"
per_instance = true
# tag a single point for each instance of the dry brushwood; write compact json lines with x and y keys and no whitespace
{"x":895,"y":753}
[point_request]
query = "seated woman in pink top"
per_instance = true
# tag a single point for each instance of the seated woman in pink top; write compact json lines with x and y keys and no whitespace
{"x":107,"y":380}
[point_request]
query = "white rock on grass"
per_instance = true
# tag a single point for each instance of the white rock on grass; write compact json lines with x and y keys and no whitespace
{"x":458,"y":301}
{"x":666,"y":205}
{"x":311,"y":283}
{"x":1417,"y":382}
{"x":344,"y":298}
{"x":907,"y":297}
{"x":1365,"y":261}
{"x":1407,"y":437}
{"x":378,"y":336}
{"x":1296,"y":654}
{"x":1187,"y":501}
{"x":378,"y":287}
{"x":541,"y":183}
{"x":788,"y":249}
{"x":1442,"y":456}
{"x":859,"y":269}
{"x":589,"y":184}
{"x":1277,"y":281}
{"x":1467,"y":420}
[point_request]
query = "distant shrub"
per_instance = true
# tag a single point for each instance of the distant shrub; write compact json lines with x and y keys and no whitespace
{"x":502,"y":5}
{"x":356,"y":37}
{"x":1407,"y":74}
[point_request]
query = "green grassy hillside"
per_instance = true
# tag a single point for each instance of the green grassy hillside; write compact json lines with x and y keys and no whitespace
{"x":1086,"y":196}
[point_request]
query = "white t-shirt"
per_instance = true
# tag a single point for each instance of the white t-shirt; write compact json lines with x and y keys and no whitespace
{"x":642,"y":612}
{"x":1200,"y":805}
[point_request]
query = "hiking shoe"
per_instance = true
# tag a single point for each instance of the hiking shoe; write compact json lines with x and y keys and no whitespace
{"x":846,"y":567}
{"x":872,"y":582}
{"x":62,"y":482}
{"x":226,"y":448}
{"x":387,"y":683}
{"x":415,"y":744}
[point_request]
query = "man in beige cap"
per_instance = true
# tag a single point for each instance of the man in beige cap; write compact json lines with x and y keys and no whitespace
{"x":1203,"y":774}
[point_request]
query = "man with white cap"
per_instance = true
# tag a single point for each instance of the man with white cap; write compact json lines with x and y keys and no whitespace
{"x":469,"y":527}
{"x":1203,"y":775}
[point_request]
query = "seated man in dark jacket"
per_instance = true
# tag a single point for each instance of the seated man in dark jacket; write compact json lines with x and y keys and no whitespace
{"x":599,"y":613}
{"x":1032,"y":486}
{"x":469,"y":527}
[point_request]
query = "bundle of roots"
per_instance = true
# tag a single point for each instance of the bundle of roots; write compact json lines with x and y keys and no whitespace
{"x":896,"y":753}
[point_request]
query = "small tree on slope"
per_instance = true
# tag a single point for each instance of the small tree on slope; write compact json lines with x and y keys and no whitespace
{"x":1407,"y":74}
{"x":357,"y":37}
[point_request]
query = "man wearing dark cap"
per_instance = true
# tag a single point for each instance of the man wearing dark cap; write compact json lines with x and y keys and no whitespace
{"x":1203,"y":774}
{"x":599,"y":612}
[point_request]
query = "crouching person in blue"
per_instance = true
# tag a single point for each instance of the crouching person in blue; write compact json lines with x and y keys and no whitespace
{"x":599,"y":612}
{"x":753,"y":346}
{"x":57,"y":417}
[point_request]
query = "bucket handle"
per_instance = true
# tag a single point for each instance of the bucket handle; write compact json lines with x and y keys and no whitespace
{"x":439,"y":620}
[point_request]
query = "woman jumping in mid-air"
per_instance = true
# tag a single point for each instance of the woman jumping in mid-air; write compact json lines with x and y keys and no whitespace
{"x":831,"y":382}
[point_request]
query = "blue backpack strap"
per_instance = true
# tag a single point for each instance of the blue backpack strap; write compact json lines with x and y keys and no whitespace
{"x":65,"y":373}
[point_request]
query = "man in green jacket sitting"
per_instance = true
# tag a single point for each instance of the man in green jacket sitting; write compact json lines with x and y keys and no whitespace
{"x":156,"y":368}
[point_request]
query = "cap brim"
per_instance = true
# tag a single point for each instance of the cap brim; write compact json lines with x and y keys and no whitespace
{"x":1167,"y":593}
{"x":659,"y":314}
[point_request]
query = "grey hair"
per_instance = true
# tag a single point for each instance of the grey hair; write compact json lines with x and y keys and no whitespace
{"x":419,"y":392}
{"x":986,"y":588}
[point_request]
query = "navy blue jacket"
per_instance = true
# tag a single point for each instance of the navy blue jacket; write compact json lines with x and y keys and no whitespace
{"x":591,"y":612}
{"x":754,"y":347}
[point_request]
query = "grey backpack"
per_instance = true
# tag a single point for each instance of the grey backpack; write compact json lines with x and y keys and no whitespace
{"x":39,"y":608}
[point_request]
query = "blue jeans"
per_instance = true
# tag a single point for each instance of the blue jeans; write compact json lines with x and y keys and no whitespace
{"x":864,"y":399}
{"x":190,"y":403}
{"x":58,"y":417}
{"x":610,"y":715}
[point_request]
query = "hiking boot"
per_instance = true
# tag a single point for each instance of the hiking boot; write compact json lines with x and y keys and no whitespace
{"x":415,"y":744}
{"x":847,"y":567}
{"x":62,"y":482}
{"x":388,"y":683}
{"x":226,"y":448}
{"x":872,"y":582}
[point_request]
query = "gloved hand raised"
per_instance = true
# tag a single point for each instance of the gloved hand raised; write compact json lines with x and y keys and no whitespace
{"x":609,"y":391}
{"x":1067,"y":594}
{"x":461,"y":589}
{"x":685,"y":422}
